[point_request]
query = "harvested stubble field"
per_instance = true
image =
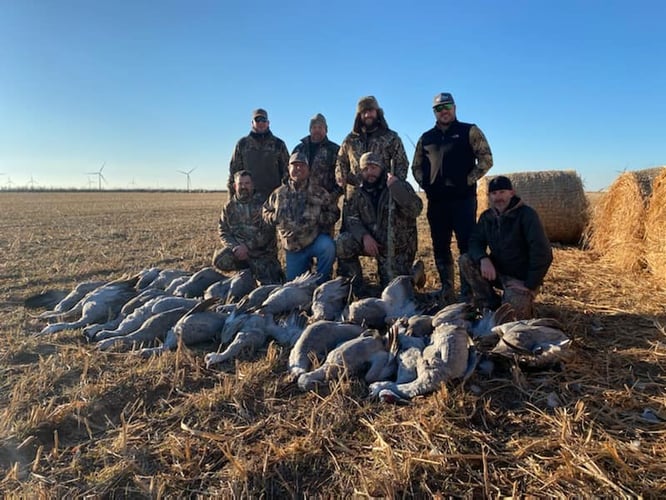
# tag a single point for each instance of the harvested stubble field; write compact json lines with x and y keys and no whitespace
{"x":77,"y":422}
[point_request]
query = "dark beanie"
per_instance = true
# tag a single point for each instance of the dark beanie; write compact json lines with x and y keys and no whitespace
{"x":498,"y":183}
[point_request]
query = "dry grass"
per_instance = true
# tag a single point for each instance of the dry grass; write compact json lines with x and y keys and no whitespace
{"x":617,"y":228}
{"x":77,"y":422}
{"x":655,"y":229}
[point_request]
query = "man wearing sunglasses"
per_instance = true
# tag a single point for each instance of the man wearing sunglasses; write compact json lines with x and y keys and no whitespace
{"x":261,"y":153}
{"x":448,"y":161}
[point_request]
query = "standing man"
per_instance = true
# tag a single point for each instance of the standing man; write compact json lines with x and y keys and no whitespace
{"x":509,"y":250}
{"x":247,"y":241}
{"x":370,"y":133}
{"x":448,"y":160}
{"x":301,"y":210}
{"x":260,"y":153}
{"x":322,"y":155}
{"x":367,"y":224}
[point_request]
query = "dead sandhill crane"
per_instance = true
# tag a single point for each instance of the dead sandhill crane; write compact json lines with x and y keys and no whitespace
{"x":200,"y":324}
{"x":536,"y":343}
{"x":136,"y":318}
{"x":67,"y":307}
{"x":366,"y":356}
{"x":397,"y":300}
{"x":330,"y":298}
{"x":317,"y":340}
{"x":198,"y":282}
{"x":99,"y":305}
{"x":154,"y":328}
{"x":295,"y":294}
{"x":446,"y":357}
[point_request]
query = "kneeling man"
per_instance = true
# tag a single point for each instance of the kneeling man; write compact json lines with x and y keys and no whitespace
{"x":508,"y":250}
{"x":367,"y":231}
{"x":303,"y":213}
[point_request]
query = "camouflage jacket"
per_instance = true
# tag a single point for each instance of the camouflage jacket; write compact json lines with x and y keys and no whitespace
{"x":300,"y":214}
{"x":265,"y":156}
{"x":384,"y":142}
{"x":241,"y":222}
{"x":322,"y":166}
{"x":363,"y":218}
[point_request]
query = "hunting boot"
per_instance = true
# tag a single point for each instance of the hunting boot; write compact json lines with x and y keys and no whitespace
{"x":445,"y":270}
{"x":351,"y":268}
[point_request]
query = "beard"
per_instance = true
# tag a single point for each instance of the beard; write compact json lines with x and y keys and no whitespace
{"x":370,"y":123}
{"x":243,"y":194}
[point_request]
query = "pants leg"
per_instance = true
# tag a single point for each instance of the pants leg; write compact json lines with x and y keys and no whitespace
{"x":267,"y":271}
{"x":483,"y":292}
{"x":464,"y":219}
{"x":323,"y":249}
{"x":297,"y":262}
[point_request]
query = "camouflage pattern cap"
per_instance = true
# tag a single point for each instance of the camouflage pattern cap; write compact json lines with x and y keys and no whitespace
{"x":370,"y":158}
{"x":259,"y":112}
{"x":367,"y":102}
{"x":298,"y":157}
{"x":442,"y":98}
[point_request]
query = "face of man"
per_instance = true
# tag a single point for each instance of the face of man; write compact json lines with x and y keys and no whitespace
{"x":260,"y":124}
{"x":369,"y":118}
{"x":244,"y":187}
{"x":445,"y":113}
{"x":500,"y":199}
{"x":317,"y":132}
{"x":299,"y":171}
{"x":371,"y":172}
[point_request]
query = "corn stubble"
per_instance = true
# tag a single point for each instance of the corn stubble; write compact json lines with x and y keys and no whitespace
{"x":77,"y":422}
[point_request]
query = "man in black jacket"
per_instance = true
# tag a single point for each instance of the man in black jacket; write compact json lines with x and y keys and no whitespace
{"x":519,"y":252}
{"x":448,"y":160}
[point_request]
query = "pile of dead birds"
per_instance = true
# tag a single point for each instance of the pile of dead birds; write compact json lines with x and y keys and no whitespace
{"x":403,"y":343}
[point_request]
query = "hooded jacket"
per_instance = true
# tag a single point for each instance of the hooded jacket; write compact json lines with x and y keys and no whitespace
{"x":382,"y":141}
{"x":516,"y":240}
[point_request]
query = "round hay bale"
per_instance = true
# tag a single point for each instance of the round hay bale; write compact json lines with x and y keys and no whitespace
{"x":655,"y":228}
{"x":617,"y":227}
{"x":556,"y":195}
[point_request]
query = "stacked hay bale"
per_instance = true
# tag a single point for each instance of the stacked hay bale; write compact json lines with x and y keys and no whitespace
{"x":557,"y":196}
{"x":617,"y":228}
{"x":655,"y":228}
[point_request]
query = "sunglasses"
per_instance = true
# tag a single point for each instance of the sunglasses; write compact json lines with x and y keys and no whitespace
{"x":261,"y":119}
{"x":441,"y":107}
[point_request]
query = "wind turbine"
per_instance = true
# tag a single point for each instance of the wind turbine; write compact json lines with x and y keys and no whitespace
{"x":99,"y":175}
{"x":31,"y":183}
{"x":188,"y":176}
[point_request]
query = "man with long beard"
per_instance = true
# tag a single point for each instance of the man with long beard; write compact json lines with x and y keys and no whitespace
{"x":370,"y":133}
{"x":248,"y":242}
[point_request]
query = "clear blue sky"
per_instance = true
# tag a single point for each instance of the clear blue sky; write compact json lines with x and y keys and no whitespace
{"x":153,"y":87}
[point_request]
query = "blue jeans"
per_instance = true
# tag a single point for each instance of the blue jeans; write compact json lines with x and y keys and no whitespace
{"x":322,"y":249}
